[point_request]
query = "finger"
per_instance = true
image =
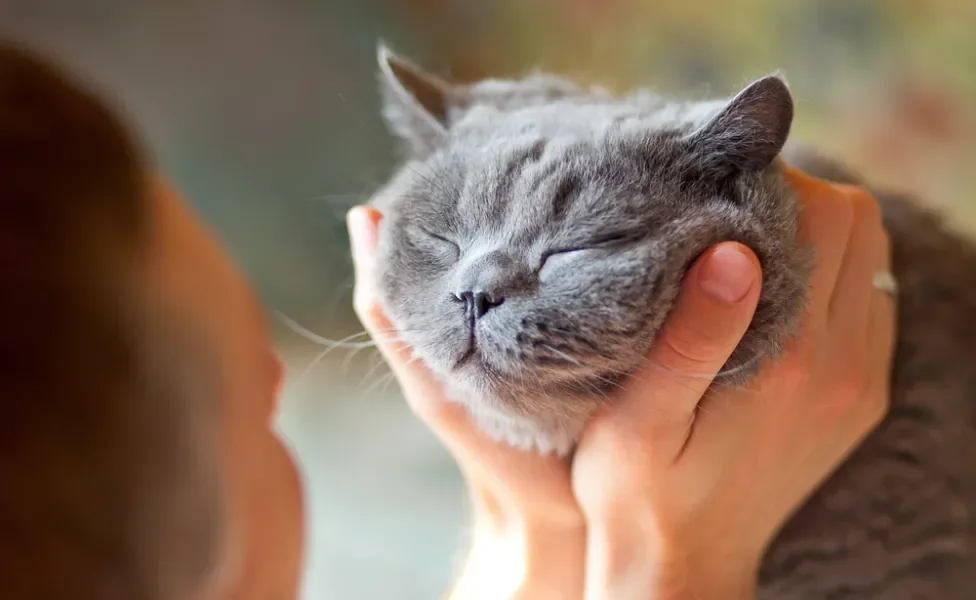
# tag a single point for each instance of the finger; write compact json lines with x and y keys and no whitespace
{"x":851,"y":300}
{"x":713,"y":311}
{"x":882,"y":336}
{"x":868,"y":409}
{"x":492,"y":464}
{"x":363,"y":225}
{"x":421,"y":390}
{"x":826,"y":218}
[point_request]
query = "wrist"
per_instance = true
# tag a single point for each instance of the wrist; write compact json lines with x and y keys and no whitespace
{"x":514,"y":560}
{"x":631,"y":561}
{"x":707,"y":582}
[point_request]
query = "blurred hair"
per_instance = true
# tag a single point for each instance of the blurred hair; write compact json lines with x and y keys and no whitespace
{"x":108,"y":485}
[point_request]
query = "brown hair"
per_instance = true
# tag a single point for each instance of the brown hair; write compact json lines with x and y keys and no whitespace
{"x":100,"y":473}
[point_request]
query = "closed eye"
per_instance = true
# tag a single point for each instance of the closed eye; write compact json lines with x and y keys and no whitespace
{"x":440,"y":238}
{"x":428,"y":241}
{"x":421,"y":233}
{"x":601,"y":242}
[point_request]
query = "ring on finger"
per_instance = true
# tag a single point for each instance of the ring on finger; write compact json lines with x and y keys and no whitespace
{"x":885,"y":281}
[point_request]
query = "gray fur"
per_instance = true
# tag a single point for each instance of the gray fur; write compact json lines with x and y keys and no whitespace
{"x":571,"y":215}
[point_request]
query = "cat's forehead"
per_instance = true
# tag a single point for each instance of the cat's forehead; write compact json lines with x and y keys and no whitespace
{"x":591,"y":121}
{"x":583,"y":163}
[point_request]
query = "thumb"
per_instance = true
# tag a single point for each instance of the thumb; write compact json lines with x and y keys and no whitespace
{"x":420,"y":389}
{"x":478,"y":456}
{"x":712,"y":312}
{"x":363,"y":223}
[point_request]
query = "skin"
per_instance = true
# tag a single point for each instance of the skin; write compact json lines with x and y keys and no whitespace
{"x":687,"y":494}
{"x":191,"y":272}
{"x":619,"y":524}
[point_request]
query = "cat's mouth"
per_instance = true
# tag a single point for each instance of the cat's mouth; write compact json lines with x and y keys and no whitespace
{"x":469,"y":352}
{"x":465,"y":358}
{"x":475,"y":364}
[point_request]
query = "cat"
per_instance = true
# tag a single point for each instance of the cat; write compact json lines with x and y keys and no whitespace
{"x":534,"y":240}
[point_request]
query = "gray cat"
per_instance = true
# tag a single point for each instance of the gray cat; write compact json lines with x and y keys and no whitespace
{"x":534,"y":242}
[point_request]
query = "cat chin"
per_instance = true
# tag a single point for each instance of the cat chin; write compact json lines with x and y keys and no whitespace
{"x":554,"y":437}
{"x":542,"y":430}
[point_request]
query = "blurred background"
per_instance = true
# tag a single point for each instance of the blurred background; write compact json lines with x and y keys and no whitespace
{"x":265,"y":113}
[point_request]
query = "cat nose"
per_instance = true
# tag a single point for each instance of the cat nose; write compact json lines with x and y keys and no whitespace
{"x":477,"y":304}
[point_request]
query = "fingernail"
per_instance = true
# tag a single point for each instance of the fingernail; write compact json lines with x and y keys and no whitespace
{"x":360,"y":231}
{"x":727,"y":274}
{"x":354,"y":219}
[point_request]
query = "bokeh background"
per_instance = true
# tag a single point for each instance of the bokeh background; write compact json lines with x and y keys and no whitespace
{"x":265,"y":113}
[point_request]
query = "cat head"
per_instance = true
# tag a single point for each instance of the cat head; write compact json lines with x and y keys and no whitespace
{"x":535,"y":238}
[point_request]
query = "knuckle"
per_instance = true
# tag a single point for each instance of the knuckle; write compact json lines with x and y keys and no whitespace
{"x":686,"y":347}
{"x":865,"y":206}
{"x":875,"y":411}
{"x":622,"y":447}
{"x":799,"y":354}
{"x":880,"y":405}
{"x":842,"y":212}
{"x":364,"y":302}
{"x":851,"y":382}
{"x":793,"y":374}
{"x":436,"y":414}
{"x":876,"y":400}
{"x":369,"y":310}
{"x":868,"y":408}
{"x":617,"y":439}
{"x":857,"y":365}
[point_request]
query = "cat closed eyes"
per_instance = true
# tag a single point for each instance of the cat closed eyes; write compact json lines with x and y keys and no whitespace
{"x":534,"y":241}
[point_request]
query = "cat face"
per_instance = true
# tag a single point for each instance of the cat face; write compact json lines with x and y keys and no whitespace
{"x":536,"y":237}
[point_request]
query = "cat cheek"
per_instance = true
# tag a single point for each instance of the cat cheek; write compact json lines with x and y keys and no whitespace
{"x":448,"y":256}
{"x":556,"y":265}
{"x":436,"y":256}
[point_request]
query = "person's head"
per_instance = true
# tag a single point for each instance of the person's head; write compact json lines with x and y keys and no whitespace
{"x":137,"y":378}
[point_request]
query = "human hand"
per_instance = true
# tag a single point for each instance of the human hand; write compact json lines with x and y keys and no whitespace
{"x":681,"y":495}
{"x":529,"y":537}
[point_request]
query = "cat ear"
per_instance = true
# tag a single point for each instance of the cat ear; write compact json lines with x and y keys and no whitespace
{"x":749,"y":132}
{"x":415,"y":103}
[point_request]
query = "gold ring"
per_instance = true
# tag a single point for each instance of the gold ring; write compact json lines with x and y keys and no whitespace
{"x":884,"y":281}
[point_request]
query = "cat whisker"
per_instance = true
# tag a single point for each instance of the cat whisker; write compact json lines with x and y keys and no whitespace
{"x":337,"y":295}
{"x":347,"y":361}
{"x":314,"y":337}
{"x":397,"y":344}
{"x":372,"y":370}
{"x":626,"y":374}
{"x":563,"y":355}
{"x":743,"y":367}
{"x":308,"y":369}
{"x":589,"y":389}
{"x":724,"y":373}
{"x":346,"y":342}
{"x":385,"y":379}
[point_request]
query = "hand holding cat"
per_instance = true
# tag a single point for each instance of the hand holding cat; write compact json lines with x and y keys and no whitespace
{"x":528,"y":527}
{"x":658,"y":475}
{"x":530,"y":535}
{"x":681,"y":494}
